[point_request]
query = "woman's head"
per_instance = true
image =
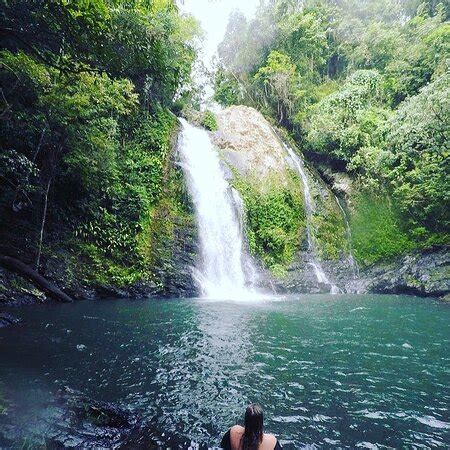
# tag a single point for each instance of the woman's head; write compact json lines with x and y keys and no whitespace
{"x":253,"y":423}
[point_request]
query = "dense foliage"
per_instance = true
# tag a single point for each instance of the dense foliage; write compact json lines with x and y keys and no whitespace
{"x":86,"y":89}
{"x":275,"y":218}
{"x":362,"y":85}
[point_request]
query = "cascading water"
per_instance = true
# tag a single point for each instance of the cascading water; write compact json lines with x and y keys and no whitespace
{"x":309,"y":209}
{"x":224,"y":270}
{"x":252,"y":274}
{"x":348,"y":232}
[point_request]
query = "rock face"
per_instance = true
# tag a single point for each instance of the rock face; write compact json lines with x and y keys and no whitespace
{"x":425,"y":273}
{"x":422,"y":273}
{"x":265,"y":158}
{"x":175,"y":251}
{"x":301,"y":279}
{"x":248,"y":143}
{"x":174,"y":268}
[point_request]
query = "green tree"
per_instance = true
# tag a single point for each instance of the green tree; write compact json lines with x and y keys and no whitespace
{"x":348,"y":119}
{"x":419,"y":170}
{"x":86,"y":87}
{"x":279,"y":81}
{"x":226,"y":88}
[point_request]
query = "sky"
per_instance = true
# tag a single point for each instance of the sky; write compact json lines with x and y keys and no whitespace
{"x":213,"y":17}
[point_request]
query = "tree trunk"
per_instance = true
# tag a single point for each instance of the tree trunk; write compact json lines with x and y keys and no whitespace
{"x":37,"y":279}
{"x":41,"y":233}
{"x":18,"y":188}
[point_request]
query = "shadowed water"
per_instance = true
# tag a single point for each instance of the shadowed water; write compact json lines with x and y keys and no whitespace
{"x":331,"y":371}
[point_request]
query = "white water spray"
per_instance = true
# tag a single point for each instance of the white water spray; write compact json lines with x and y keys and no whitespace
{"x":309,"y":209}
{"x":224,"y":270}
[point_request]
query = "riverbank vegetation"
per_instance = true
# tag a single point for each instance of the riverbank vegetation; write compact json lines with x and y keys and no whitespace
{"x":362,"y":86}
{"x":86,"y":94}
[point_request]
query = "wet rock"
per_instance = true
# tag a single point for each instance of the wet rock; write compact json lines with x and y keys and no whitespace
{"x":300,"y":278}
{"x":339,"y":181}
{"x":81,"y":422}
{"x":7,"y":320}
{"x":174,"y":268}
{"x":16,"y":291}
{"x":95,"y":412}
{"x":71,"y":419}
{"x":423,"y":273}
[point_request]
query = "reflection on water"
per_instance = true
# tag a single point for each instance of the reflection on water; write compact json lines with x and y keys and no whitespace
{"x":200,"y":371}
{"x":346,"y":371}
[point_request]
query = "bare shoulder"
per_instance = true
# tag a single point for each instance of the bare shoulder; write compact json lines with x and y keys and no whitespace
{"x":236,"y":433}
{"x":237,"y":430}
{"x":269,"y":441}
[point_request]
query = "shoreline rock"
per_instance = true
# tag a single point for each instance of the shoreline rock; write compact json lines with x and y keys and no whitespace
{"x":71,"y":419}
{"x":423,"y":273}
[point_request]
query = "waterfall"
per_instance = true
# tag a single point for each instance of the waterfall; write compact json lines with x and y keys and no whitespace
{"x":252,"y":273}
{"x":348,"y":233}
{"x":309,"y":210}
{"x":224,"y":270}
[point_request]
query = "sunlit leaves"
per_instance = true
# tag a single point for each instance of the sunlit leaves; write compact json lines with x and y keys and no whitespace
{"x":349,"y":118}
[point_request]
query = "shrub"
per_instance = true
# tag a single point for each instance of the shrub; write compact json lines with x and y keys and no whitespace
{"x":209,"y":121}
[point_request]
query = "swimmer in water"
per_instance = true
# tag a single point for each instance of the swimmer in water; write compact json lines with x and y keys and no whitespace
{"x":251,"y":436}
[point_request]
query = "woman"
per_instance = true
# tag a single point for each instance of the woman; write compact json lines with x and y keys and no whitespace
{"x":251,"y":436}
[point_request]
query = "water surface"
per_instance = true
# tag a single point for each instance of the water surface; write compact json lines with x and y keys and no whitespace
{"x":331,"y":371}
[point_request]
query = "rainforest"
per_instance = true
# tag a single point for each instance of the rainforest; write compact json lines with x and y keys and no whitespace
{"x":205,"y":204}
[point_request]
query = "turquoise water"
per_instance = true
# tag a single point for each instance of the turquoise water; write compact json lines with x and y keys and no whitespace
{"x":330,"y":371}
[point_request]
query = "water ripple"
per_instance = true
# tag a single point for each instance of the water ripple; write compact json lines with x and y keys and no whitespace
{"x":325,"y":379}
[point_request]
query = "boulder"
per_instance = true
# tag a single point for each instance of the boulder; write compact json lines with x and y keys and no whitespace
{"x":248,"y":143}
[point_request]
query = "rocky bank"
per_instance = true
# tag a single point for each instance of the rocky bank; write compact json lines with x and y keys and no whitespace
{"x":424,"y":273}
{"x":74,"y":420}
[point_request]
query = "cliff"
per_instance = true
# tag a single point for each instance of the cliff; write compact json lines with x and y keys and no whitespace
{"x":349,"y":229}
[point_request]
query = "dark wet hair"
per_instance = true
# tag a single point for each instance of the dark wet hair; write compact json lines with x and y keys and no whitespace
{"x":253,"y":424}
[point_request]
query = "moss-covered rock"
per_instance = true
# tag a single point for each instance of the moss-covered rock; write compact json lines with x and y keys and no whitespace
{"x":209,"y":121}
{"x":421,"y":272}
{"x":275,"y":218}
{"x":327,"y":222}
{"x":376,"y":229}
{"x":272,"y":192}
